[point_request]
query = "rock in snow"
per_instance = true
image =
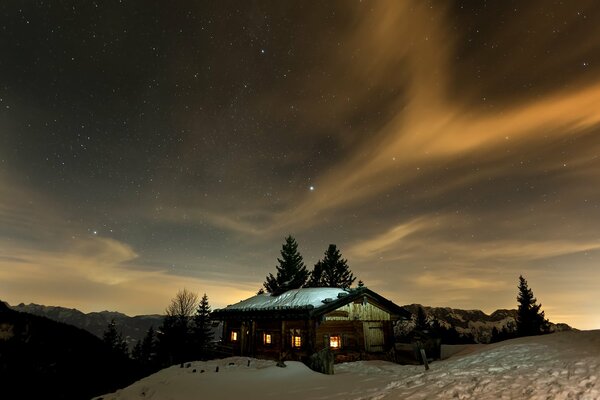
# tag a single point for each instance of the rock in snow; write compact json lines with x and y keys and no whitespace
{"x":564,"y":365}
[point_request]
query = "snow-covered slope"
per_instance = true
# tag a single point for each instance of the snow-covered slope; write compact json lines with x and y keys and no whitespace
{"x":563,"y":365}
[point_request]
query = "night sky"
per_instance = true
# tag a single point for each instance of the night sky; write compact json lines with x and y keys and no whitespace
{"x":445,"y":147}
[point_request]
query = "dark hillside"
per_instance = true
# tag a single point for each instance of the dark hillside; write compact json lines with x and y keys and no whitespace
{"x":45,"y":359}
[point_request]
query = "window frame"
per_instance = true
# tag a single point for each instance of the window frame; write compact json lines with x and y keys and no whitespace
{"x":267,"y":338}
{"x":339,"y":342}
{"x":296,"y":341}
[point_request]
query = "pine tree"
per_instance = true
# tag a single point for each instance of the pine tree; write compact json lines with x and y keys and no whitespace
{"x":202,"y":327}
{"x":148,"y":347}
{"x":316,"y":276}
{"x":136,"y":353}
{"x":114,"y":339}
{"x":331,"y":271}
{"x":291,"y":271}
{"x":530,"y":319}
{"x":421,"y":320}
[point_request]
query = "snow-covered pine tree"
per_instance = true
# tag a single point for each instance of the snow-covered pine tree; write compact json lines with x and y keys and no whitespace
{"x":331,"y":271}
{"x":291,"y":271}
{"x":530,"y":319}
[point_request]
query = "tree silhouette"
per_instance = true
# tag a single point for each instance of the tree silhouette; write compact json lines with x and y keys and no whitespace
{"x":331,"y":271}
{"x":421,"y":323}
{"x":114,"y":339}
{"x":202,"y":328}
{"x":530,"y":319}
{"x":291,"y":271}
{"x":176,"y":331}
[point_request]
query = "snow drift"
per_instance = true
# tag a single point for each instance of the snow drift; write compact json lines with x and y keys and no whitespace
{"x":563,"y":365}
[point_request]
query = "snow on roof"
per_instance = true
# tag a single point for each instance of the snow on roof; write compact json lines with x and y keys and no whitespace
{"x":295,"y":298}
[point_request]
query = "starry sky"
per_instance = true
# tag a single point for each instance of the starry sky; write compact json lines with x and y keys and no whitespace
{"x":446,"y":147}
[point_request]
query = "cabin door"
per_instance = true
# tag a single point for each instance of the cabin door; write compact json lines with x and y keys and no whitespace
{"x":374,"y":338}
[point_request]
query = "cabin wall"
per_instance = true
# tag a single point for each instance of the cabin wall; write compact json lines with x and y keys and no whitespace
{"x":364,"y":328}
{"x":362,"y":310}
{"x":350,"y":332}
{"x":251,"y":338}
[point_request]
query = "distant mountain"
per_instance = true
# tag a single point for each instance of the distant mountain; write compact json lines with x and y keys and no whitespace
{"x":45,"y":359}
{"x":132,"y":328}
{"x":475,"y":323}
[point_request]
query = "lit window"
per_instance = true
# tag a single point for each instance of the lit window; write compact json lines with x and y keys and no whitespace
{"x":234,"y":336}
{"x":296,"y":341}
{"x":335,"y":342}
{"x":267,"y":338}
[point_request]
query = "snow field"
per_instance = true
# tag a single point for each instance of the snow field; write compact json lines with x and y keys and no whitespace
{"x":563,"y":365}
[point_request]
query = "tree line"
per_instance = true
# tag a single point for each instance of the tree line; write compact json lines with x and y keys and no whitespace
{"x":185,"y":334}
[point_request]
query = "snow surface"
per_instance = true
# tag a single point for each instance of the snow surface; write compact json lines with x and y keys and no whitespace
{"x":563,"y":365}
{"x":296,"y":298}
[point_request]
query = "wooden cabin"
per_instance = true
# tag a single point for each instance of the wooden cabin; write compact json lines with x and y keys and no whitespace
{"x":354,"y":324}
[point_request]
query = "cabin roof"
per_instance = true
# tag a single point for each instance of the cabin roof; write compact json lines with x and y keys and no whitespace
{"x":304,"y":303}
{"x":295,"y":298}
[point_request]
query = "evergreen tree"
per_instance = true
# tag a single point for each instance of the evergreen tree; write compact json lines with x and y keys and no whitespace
{"x":114,"y":339}
{"x":202,"y":327}
{"x":291,"y":271}
{"x":145,"y":352}
{"x":331,"y":271}
{"x":421,"y":320}
{"x":136,"y":353}
{"x":148,"y":348}
{"x":530,"y":319}
{"x":316,"y":276}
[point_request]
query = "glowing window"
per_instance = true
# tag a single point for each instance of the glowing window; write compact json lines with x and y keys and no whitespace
{"x":335,"y":342}
{"x":267,"y":338}
{"x":234,"y":336}
{"x":296,"y":341}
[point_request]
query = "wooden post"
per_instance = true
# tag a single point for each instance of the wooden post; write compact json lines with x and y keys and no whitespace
{"x":283,"y":339}
{"x":424,"y":357}
{"x":253,"y":339}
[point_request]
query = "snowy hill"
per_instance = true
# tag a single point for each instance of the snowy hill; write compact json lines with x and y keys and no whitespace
{"x":556,"y":366}
{"x":475,"y":323}
{"x":133,"y":328}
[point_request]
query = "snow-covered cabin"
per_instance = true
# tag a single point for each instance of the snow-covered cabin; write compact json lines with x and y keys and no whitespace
{"x":355,"y":323}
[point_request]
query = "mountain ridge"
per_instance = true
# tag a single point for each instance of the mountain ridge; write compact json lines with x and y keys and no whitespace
{"x":474,"y":323}
{"x":133,"y":328}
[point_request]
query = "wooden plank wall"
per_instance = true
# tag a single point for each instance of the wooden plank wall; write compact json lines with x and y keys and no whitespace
{"x":358,"y":311}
